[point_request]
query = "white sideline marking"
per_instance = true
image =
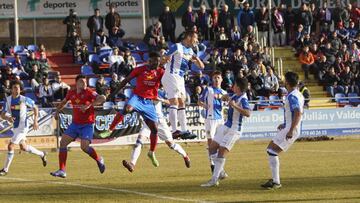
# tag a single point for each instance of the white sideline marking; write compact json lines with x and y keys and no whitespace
{"x":326,"y":151}
{"x":110,"y":189}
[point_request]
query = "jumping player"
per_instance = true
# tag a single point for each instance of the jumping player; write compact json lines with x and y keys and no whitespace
{"x":226,"y":135}
{"x":148,"y":79}
{"x":15,"y":112}
{"x":211,"y":100}
{"x":83,"y":100}
{"x":164,"y":134}
{"x":289,"y":131}
{"x":178,"y":59}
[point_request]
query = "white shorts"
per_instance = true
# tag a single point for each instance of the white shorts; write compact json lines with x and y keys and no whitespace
{"x":281,"y":141}
{"x":19,"y":135}
{"x":174,"y":85}
{"x":210,"y":127}
{"x":164,"y":131}
{"x":226,"y":137}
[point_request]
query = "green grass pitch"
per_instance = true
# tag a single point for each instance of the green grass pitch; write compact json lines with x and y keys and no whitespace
{"x":327,"y":171}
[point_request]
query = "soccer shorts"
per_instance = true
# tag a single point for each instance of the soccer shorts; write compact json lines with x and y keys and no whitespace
{"x":164,"y":131}
{"x":19,"y":135}
{"x":82,"y":131}
{"x":226,"y":137}
{"x":145,"y":107}
{"x":174,"y":85}
{"x":210,"y":127}
{"x":281,"y":141}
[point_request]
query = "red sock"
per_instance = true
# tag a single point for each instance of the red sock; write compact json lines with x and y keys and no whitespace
{"x":153,"y":141}
{"x":117,"y":119}
{"x":62,"y":158}
{"x":92,"y":153}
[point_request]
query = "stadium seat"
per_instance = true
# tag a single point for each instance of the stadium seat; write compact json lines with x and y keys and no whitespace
{"x":348,"y":106}
{"x":137,"y":57}
{"x":341,"y":99}
{"x":142,"y":47}
{"x":32,"y":48}
{"x":275,"y":100}
{"x":146,"y":56}
{"x":120,"y":105}
{"x":10,"y":59}
{"x":128,"y":92}
{"x":87,"y":70}
{"x":26,"y":83}
{"x":19,"y":49}
{"x":354,"y":101}
{"x":107,"y":81}
{"x":108,"y":105}
{"x":32,"y":96}
{"x":262,"y":101}
{"x":94,"y":58}
{"x":92,"y":82}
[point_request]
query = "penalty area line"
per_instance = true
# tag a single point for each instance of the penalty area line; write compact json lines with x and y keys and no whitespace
{"x":109,"y":189}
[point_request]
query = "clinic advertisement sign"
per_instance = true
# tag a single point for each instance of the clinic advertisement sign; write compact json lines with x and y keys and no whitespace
{"x":60,"y":8}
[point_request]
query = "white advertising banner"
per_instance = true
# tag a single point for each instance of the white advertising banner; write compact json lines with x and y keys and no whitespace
{"x":60,"y":8}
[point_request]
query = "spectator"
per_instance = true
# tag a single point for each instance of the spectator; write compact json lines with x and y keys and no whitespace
{"x":305,"y":92}
{"x":332,"y":83}
{"x":329,"y":52}
{"x":355,"y":52}
{"x":324,"y":16}
{"x":204,"y":22}
{"x":289,"y":17}
{"x":344,"y":53}
{"x":251,"y":93}
{"x":5,"y":89}
{"x":224,"y":60}
{"x":228,"y":81}
{"x":226,"y":20}
{"x":322,"y":67}
{"x":307,"y":62}
{"x":299,"y":37}
{"x":189,"y":18}
{"x":116,"y":61}
{"x":114,"y":84}
{"x":7,"y":74}
{"x":340,"y":14}
{"x":305,"y":18}
{"x":115,"y":37}
{"x":100,"y":85}
{"x":46,"y":93}
{"x":222,"y":39}
{"x":355,"y":15}
{"x":246,"y":17}
{"x":162,"y":44}
{"x":35,"y":77}
{"x":342,"y":33}
{"x":18,"y":67}
{"x":72,"y":23}
{"x":214,"y":23}
{"x":112,"y":19}
{"x":278,"y":25}
{"x":71,"y":43}
{"x":129,"y":63}
{"x":212,"y":60}
{"x":59,"y":88}
{"x":271,"y":83}
{"x":30,"y":62}
{"x":101,"y":40}
{"x":255,"y":80}
{"x":339,"y":65}
{"x":236,"y":63}
{"x":95,"y":23}
{"x":43,"y":62}
{"x":353,"y":31}
{"x":314,"y":14}
{"x":262,"y":21}
{"x":152,"y":35}
{"x":168,"y":22}
{"x":346,"y":78}
{"x":235,"y":37}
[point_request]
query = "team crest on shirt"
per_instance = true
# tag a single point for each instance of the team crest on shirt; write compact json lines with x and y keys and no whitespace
{"x":149,"y":76}
{"x":77,"y":101}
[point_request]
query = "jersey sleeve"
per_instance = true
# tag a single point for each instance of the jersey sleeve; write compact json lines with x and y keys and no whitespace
{"x":245,"y":103}
{"x":29,"y":102}
{"x":136,"y":72}
{"x":173,"y":48}
{"x":203,"y":95}
{"x":68,"y":95}
{"x":293,"y":103}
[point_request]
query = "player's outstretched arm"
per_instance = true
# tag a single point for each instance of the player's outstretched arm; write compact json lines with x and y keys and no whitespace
{"x":100,"y":99}
{"x":122,"y":85}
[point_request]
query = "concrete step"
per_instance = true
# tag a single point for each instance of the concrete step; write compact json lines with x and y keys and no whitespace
{"x":321,"y":101}
{"x":316,"y":88}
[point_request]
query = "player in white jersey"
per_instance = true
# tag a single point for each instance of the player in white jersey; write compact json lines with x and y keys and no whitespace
{"x":226,"y":135}
{"x":163,"y":132}
{"x":289,"y":131}
{"x":211,"y":101}
{"x":177,"y":63}
{"x":15,"y":112}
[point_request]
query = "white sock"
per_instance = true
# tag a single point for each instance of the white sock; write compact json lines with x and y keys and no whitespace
{"x":136,"y":152}
{"x":8,"y":160}
{"x":219,"y":166}
{"x":178,"y":148}
{"x":212,"y":157}
{"x":33,"y":150}
{"x":182,"y":119}
{"x":275,"y":168}
{"x":173,"y":114}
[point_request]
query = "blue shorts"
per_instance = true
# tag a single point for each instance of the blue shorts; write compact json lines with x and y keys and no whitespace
{"x":145,"y":107}
{"x":82,"y":131}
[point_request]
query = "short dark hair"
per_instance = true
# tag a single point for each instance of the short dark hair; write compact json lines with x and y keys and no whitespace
{"x":80,"y":77}
{"x":16,"y":82}
{"x":292,"y":78}
{"x":154,"y":54}
{"x":96,"y":9}
{"x":216,"y":73}
{"x":242,"y":83}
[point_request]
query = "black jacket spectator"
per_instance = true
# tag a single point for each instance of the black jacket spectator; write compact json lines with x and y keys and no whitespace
{"x":72,"y":23}
{"x":305,"y":18}
{"x":262,"y":20}
{"x":168,"y":22}
{"x":112,"y":19}
{"x":95,"y":23}
{"x":226,"y":20}
{"x":189,"y":18}
{"x":247,"y":17}
{"x":204,"y":22}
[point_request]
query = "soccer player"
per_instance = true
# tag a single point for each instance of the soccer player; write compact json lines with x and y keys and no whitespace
{"x":178,"y":59}
{"x":226,"y":135}
{"x":164,"y":134}
{"x":289,"y":131}
{"x":83,"y":100}
{"x":15,"y":112}
{"x":211,"y":101}
{"x":148,"y":80}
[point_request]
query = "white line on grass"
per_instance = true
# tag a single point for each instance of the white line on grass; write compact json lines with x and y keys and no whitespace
{"x":110,"y":189}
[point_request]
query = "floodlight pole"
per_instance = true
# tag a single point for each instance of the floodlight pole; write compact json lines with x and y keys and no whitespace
{"x":270,"y":27}
{"x":16,"y":23}
{"x":143,"y":16}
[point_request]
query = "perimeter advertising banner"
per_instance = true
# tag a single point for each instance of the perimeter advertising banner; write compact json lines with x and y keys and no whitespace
{"x":60,"y":8}
{"x":179,"y":6}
